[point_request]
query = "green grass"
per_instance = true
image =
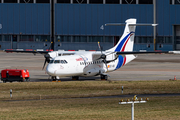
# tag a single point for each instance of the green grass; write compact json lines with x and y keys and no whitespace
{"x":85,"y":88}
{"x":101,"y":109}
{"x":60,"y":100}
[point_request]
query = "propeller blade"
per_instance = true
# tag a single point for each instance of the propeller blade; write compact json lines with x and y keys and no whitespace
{"x":103,"y":56}
{"x":106,"y":64}
{"x":44,"y":64}
{"x":99,"y":47}
{"x":47,"y":59}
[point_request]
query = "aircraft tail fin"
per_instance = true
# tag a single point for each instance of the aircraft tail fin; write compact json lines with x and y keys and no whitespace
{"x":126,"y":41}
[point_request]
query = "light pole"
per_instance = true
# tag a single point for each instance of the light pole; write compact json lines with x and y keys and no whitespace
{"x":154,"y":10}
{"x":135,"y":100}
{"x":52,"y":23}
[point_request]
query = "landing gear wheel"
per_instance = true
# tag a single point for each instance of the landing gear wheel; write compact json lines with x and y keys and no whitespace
{"x":53,"y":78}
{"x":104,"y":77}
{"x":75,"y":77}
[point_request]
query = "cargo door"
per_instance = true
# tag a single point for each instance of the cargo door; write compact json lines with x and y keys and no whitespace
{"x":177,"y":37}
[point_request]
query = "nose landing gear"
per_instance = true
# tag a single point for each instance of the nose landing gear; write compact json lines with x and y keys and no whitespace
{"x":53,"y":78}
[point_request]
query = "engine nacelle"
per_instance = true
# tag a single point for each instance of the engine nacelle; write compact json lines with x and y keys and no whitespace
{"x":91,"y":72}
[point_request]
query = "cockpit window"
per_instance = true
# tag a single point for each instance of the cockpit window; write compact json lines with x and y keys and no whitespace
{"x":58,"y":61}
{"x":51,"y":61}
{"x":65,"y":61}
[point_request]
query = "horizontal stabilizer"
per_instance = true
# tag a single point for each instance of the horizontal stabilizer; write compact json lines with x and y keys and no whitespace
{"x":125,"y":53}
{"x":143,"y":24}
{"x":122,"y":24}
{"x":115,"y":24}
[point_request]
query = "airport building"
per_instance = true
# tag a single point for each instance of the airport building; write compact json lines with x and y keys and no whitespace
{"x":79,"y":24}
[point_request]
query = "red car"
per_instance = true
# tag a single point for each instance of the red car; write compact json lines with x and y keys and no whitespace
{"x":10,"y":75}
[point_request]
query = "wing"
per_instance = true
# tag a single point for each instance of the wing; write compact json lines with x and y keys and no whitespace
{"x":59,"y":53}
{"x":26,"y":51}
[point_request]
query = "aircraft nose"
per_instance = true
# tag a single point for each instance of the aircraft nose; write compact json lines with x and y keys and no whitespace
{"x":50,"y":70}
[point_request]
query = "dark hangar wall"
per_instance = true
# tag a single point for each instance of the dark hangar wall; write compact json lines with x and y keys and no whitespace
{"x":72,"y":19}
{"x":167,"y":16}
{"x":25,"y":19}
{"x":86,"y":19}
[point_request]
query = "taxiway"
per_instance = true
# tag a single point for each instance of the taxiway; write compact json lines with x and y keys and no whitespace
{"x":144,"y":67}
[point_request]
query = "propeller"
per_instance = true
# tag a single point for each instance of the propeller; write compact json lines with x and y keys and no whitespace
{"x":47,"y":59}
{"x":103,"y":56}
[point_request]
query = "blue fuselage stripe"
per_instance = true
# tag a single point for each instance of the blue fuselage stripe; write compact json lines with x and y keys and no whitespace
{"x":120,"y":62}
{"x":119,"y":47}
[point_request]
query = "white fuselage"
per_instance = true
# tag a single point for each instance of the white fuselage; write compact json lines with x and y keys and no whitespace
{"x":82,"y":65}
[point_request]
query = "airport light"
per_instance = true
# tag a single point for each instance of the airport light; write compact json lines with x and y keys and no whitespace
{"x":11,"y":93}
{"x":134,"y":100}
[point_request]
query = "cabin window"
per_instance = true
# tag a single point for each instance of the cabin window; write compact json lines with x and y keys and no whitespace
{"x":58,"y":61}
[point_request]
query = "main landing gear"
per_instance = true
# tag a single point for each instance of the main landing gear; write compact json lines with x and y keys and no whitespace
{"x":75,"y":77}
{"x":104,"y":77}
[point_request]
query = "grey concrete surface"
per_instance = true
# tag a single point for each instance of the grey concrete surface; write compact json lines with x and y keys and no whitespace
{"x":144,"y":67}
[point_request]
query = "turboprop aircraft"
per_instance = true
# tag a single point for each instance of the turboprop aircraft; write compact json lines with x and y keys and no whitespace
{"x":92,"y":63}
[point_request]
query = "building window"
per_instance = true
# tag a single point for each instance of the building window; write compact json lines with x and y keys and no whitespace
{"x":79,"y":39}
{"x":112,"y":1}
{"x":164,"y":39}
{"x":95,"y":39}
{"x":96,"y":1}
{"x":10,"y":1}
{"x":63,"y":38}
{"x":6,"y":38}
{"x":80,"y":1}
{"x":109,"y":39}
{"x":168,"y":39}
{"x":150,"y":39}
{"x":26,"y":38}
{"x":128,"y":1}
{"x":145,"y":1}
{"x":160,"y":39}
{"x":0,"y":37}
{"x":26,"y":1}
{"x":142,"y":39}
{"x":63,"y":1}
{"x":42,"y":1}
{"x":42,"y":38}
